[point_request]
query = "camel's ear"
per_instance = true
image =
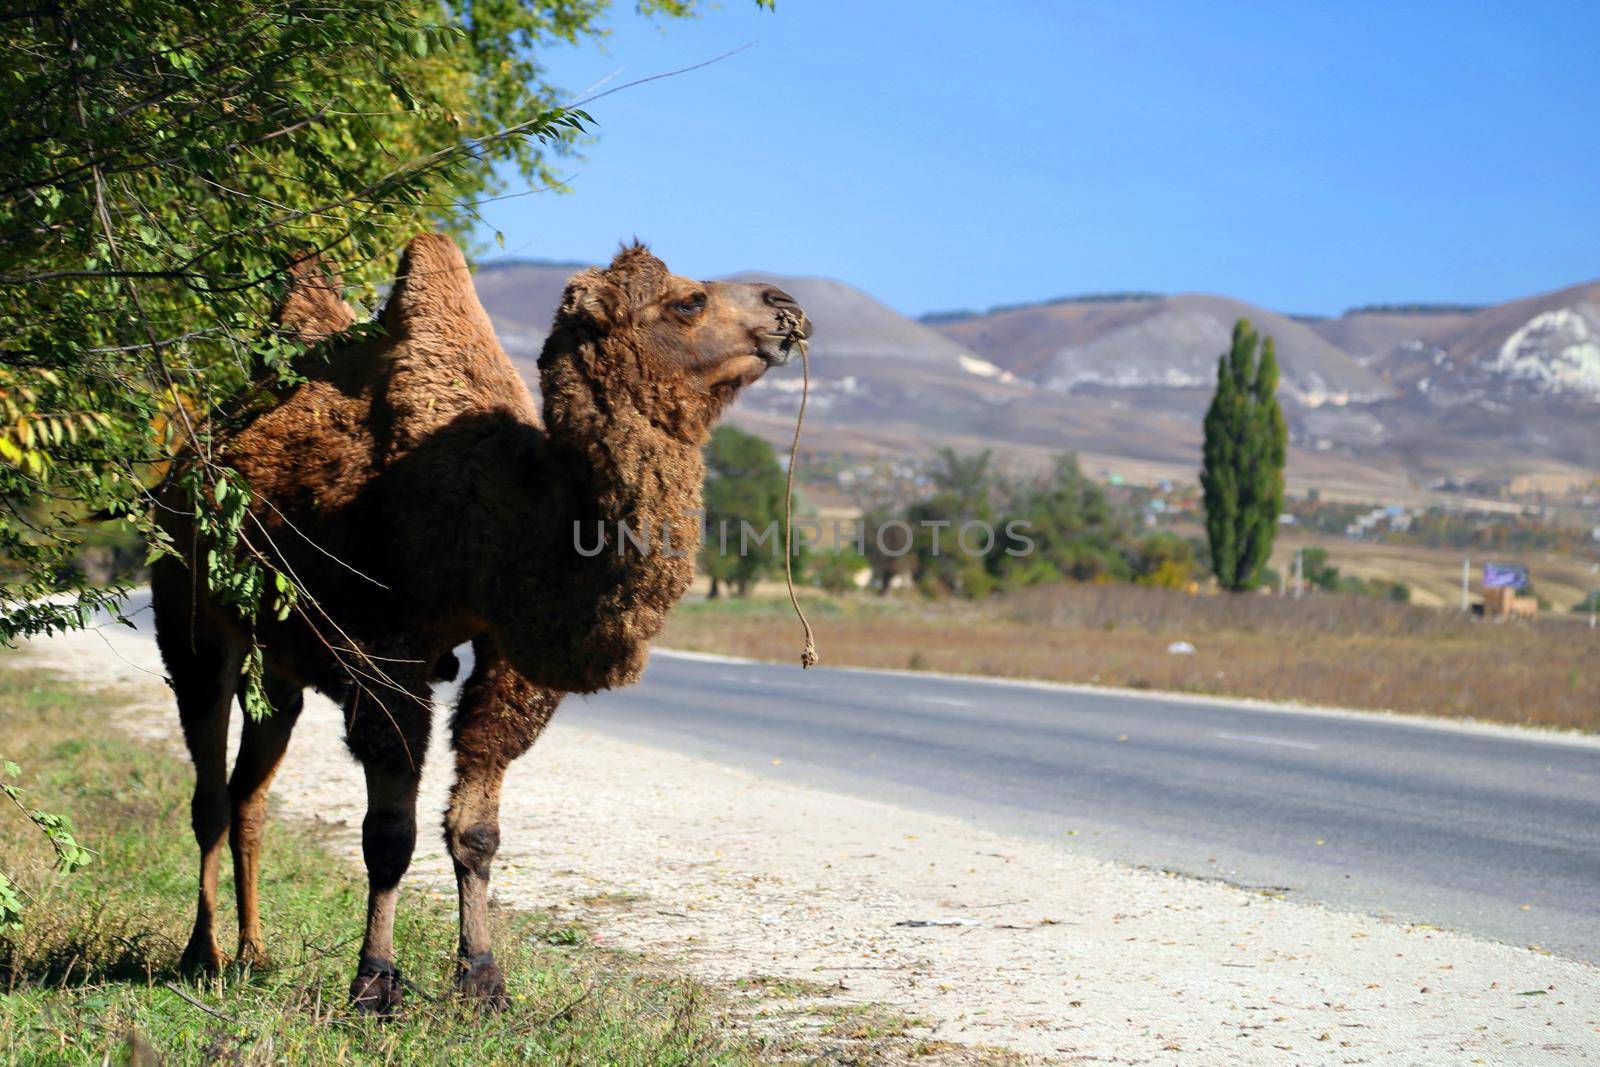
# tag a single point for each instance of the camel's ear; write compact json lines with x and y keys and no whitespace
{"x":433,"y":291}
{"x":605,"y":298}
{"x":591,"y":298}
{"x":312,"y":309}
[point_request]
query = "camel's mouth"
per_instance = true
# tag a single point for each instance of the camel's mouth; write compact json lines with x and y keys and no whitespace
{"x":791,"y":330}
{"x":777,"y":349}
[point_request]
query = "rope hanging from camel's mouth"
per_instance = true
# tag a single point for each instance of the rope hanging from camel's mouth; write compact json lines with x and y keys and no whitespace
{"x":808,"y":656}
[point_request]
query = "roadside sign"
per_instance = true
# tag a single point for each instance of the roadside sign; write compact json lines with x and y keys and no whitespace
{"x":1504,"y":576}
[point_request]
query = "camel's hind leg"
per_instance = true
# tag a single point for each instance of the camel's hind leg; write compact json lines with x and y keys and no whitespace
{"x":499,"y":717}
{"x":260,"y":751}
{"x":204,"y":668}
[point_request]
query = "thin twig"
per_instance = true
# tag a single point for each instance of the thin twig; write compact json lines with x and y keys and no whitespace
{"x":663,"y":74}
{"x":208,"y":1009}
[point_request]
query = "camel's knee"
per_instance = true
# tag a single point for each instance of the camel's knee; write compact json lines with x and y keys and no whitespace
{"x":473,"y":847}
{"x":387,"y":841}
{"x":208,"y":814}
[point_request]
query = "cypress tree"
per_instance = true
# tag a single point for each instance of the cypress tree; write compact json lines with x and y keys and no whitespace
{"x":1246,"y":444}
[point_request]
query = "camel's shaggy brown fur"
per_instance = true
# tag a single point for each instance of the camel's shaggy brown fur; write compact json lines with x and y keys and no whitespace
{"x":412,"y":490}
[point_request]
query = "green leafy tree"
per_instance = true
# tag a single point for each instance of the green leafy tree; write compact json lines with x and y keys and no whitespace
{"x":1246,"y":444}
{"x":744,"y":496}
{"x":164,"y":162}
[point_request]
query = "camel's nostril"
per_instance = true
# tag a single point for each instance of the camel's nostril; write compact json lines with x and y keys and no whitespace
{"x":777,"y":298}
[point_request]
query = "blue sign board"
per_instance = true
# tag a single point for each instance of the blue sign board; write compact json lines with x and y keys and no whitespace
{"x":1504,"y":576}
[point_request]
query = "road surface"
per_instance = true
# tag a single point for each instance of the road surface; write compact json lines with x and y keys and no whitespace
{"x":1476,"y":830}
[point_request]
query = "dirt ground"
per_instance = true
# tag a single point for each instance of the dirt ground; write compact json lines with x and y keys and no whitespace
{"x":1036,"y":949}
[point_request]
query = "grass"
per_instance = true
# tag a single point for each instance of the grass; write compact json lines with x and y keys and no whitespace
{"x":91,"y":978}
{"x":1333,"y":650}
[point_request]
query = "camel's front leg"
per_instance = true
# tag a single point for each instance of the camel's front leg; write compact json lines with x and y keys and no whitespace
{"x":261,"y":750}
{"x":499,"y":717}
{"x":390,"y":738}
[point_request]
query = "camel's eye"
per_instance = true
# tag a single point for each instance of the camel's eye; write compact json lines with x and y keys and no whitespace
{"x":690,"y":306}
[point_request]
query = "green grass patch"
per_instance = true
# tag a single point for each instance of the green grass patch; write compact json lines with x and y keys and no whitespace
{"x":92,"y":975}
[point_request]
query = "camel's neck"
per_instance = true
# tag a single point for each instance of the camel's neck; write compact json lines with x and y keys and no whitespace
{"x":624,"y":497}
{"x":635,"y":483}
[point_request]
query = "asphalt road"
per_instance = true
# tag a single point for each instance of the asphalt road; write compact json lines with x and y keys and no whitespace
{"x":1472,"y":830}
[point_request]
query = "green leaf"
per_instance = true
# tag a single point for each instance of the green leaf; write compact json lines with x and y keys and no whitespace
{"x":10,"y":906}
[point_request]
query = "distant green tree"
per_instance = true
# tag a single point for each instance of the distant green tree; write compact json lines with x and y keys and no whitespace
{"x":1317,"y":571}
{"x":1246,"y":444}
{"x":1320,"y":574}
{"x":944,"y":559}
{"x":1163,"y":559}
{"x":886,"y":548}
{"x":744,"y":493}
{"x":1077,"y":532}
{"x":837,"y":571}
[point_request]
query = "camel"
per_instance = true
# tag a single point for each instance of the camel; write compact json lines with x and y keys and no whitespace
{"x":412,"y":490}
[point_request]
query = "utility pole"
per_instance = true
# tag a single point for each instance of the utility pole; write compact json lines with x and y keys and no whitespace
{"x":1466,"y":567}
{"x":1299,"y":571}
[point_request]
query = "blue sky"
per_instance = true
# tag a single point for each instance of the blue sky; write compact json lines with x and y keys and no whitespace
{"x":1306,"y":157}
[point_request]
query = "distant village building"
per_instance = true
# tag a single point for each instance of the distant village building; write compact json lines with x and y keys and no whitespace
{"x":1393,"y":517}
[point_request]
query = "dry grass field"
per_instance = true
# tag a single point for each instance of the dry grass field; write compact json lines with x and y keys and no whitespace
{"x":1434,"y":574}
{"x":1332,"y":650}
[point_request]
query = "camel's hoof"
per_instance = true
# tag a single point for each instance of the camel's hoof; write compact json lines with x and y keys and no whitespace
{"x":251,"y":954}
{"x":376,"y":989}
{"x":480,"y":978}
{"x":201,"y":959}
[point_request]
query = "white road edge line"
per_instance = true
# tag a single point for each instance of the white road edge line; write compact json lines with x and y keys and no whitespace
{"x":1257,"y":740}
{"x":1505,"y":731}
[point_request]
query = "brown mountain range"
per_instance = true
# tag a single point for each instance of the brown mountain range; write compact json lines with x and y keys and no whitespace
{"x":1378,"y":400}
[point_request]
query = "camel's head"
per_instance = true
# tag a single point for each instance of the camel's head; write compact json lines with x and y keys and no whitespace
{"x":682,"y":347}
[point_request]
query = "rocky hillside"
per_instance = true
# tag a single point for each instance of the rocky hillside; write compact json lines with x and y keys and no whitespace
{"x":1404,"y":396}
{"x":1544,"y":346}
{"x":1163,"y":342}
